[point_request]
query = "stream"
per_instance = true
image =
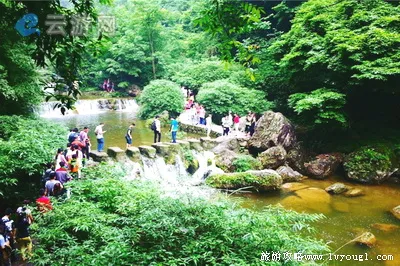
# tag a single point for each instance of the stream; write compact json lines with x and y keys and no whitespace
{"x":345,"y":217}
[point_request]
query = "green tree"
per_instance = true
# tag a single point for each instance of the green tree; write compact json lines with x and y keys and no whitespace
{"x":26,"y":145}
{"x":221,"y":96}
{"x":158,"y":96}
{"x":350,"y":46}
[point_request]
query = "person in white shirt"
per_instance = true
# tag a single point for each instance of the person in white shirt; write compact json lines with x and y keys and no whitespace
{"x":208,"y":125}
{"x":99,"y":136}
{"x":157,"y":130}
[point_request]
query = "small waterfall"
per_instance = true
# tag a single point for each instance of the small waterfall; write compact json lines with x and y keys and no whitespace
{"x":85,"y":107}
{"x":174,"y":179}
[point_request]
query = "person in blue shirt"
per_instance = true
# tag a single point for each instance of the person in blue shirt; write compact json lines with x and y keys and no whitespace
{"x":174,"y":129}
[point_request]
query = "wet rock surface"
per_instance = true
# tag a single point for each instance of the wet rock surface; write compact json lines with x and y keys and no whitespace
{"x":367,"y":239}
{"x":337,"y":188}
{"x":289,"y":175}
{"x":323,"y":165}
{"x":273,"y":157}
{"x":272,"y":129}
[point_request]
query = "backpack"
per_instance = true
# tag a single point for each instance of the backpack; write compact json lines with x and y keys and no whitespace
{"x":153,"y":125}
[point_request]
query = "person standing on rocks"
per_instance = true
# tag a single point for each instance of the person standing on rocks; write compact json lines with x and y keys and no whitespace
{"x":99,"y":136}
{"x":128,"y":135}
{"x":174,"y":129}
{"x":157,"y":129}
{"x":226,"y":124}
{"x":253,"y":124}
{"x":208,"y":125}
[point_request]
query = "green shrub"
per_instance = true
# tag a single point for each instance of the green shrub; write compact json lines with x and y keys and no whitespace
{"x":112,"y":221}
{"x":367,"y":161}
{"x":244,"y":163}
{"x":221,"y":96}
{"x":31,"y":144}
{"x":158,"y":96}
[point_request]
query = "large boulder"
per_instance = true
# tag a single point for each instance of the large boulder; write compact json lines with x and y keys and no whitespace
{"x":263,"y":180}
{"x":288,"y":174}
{"x":224,"y":160}
{"x":273,"y":157}
{"x":226,"y":144}
{"x":368,"y":165}
{"x":296,"y":158}
{"x":396,"y":212}
{"x":272,"y":129}
{"x":323,"y":165}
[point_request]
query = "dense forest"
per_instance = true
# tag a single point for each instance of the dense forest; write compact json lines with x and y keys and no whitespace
{"x":331,"y":66}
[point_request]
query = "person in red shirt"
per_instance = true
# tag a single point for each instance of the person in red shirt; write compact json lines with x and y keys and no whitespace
{"x":77,"y":142}
{"x":43,"y":203}
{"x":236,"y":121}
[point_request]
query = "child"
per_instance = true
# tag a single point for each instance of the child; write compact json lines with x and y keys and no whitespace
{"x":74,"y":167}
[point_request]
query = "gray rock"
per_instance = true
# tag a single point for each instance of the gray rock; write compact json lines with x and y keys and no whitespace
{"x":147,"y":151}
{"x":98,"y":156}
{"x":288,"y":174}
{"x":133,"y":153}
{"x":273,"y":157}
{"x":162,"y":149}
{"x":337,"y":188}
{"x":354,"y":192}
{"x":323,"y":165}
{"x":224,"y":160}
{"x":116,"y":153}
{"x":272,"y":129}
{"x":226,"y":143}
{"x":296,"y":157}
{"x":366,"y":239}
{"x":208,"y":143}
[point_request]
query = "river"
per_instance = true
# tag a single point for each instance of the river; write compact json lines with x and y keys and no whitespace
{"x":345,"y":217}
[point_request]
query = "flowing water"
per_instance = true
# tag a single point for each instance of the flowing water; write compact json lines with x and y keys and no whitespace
{"x":345,"y":217}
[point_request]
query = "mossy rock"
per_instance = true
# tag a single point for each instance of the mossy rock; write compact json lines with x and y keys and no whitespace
{"x":147,"y":151}
{"x":192,"y":166}
{"x":133,"y":153}
{"x":264,"y":180}
{"x":243,"y":163}
{"x":368,"y":165}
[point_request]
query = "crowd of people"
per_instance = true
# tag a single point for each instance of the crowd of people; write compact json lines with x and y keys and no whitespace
{"x":108,"y":86}
{"x":66,"y":166}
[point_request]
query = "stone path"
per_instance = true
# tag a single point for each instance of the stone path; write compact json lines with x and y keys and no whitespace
{"x":185,"y":118}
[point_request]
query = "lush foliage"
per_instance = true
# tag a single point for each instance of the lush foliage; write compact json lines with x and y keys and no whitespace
{"x":222,"y":96}
{"x":323,"y":106}
{"x":244,"y":163}
{"x":120,"y":222}
{"x":159,"y":96}
{"x":61,"y":54}
{"x":25,"y":146}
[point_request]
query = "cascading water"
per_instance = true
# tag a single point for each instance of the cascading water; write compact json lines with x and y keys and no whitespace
{"x":173,"y":178}
{"x":85,"y":107}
